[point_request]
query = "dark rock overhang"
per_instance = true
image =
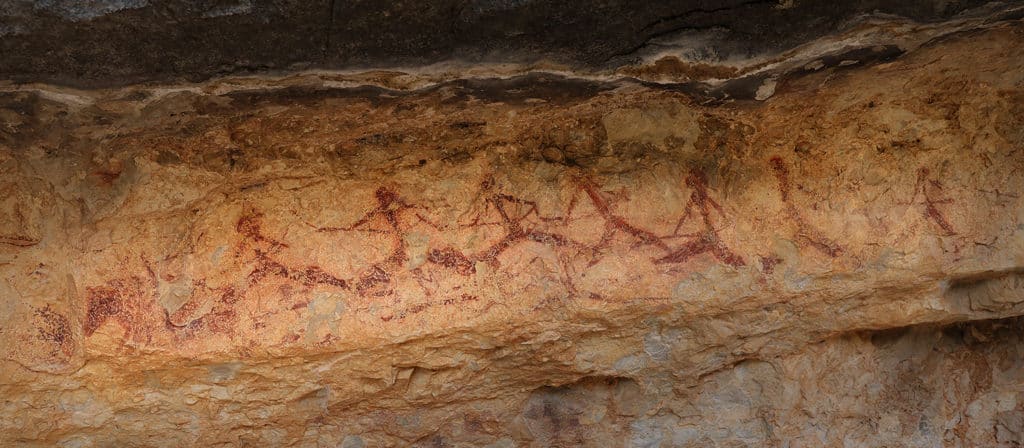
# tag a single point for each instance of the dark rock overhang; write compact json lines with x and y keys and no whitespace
{"x":113,"y":42}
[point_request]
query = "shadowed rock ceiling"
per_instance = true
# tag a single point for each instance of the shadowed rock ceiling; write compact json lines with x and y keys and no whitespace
{"x":110,"y":42}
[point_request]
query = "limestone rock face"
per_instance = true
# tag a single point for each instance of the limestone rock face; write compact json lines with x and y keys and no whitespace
{"x":530,"y":261}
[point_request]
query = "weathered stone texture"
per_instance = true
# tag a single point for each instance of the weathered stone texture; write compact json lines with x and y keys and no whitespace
{"x":117,"y":42}
{"x":529,"y":262}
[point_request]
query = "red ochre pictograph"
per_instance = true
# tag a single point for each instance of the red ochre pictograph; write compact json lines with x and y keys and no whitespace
{"x":520,"y":221}
{"x":805,"y":232}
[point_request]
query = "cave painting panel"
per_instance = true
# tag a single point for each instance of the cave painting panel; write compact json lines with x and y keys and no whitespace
{"x":510,"y":221}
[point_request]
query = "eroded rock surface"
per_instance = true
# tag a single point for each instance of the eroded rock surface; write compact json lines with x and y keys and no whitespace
{"x":535,"y":261}
{"x":116,"y":42}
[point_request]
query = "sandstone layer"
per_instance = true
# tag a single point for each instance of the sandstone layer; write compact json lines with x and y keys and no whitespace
{"x":530,"y":261}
